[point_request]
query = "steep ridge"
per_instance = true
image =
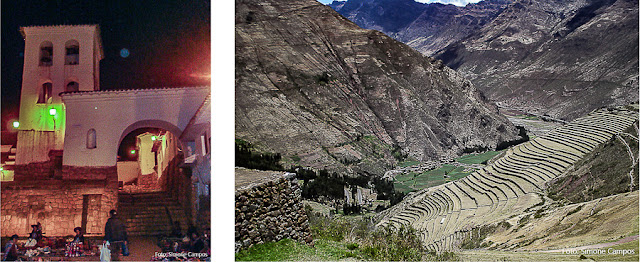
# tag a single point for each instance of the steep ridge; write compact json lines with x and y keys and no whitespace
{"x":447,"y":214}
{"x":560,"y":58}
{"x":426,"y":27}
{"x":325,"y":93}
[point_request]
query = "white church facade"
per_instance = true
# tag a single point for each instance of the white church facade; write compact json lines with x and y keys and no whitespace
{"x":66,"y":156}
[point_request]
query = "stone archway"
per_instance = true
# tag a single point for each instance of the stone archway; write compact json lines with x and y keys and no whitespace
{"x":113,"y":114}
{"x":147,"y":154}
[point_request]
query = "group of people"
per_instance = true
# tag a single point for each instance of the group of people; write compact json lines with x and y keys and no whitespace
{"x":36,"y":239}
{"x":193,"y":241}
{"x":116,"y":234}
{"x":11,"y":248}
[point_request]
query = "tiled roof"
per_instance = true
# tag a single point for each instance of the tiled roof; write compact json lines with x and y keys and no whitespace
{"x":132,"y":90}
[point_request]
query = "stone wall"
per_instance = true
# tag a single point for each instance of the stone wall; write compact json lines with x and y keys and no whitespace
{"x":89,"y":173}
{"x":34,"y":171}
{"x":271,"y":210}
{"x":34,"y":146}
{"x":58,"y":204}
{"x":128,"y":171}
{"x":178,"y":182}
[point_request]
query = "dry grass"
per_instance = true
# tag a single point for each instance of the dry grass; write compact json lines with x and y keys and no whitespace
{"x":487,"y":255}
{"x":614,"y":217}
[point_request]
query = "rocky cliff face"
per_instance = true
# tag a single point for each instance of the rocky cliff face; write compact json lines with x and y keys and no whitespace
{"x":561,"y":58}
{"x":425,"y":27}
{"x":325,"y":93}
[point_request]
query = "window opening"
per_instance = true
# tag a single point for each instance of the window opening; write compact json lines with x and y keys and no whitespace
{"x":91,"y":139}
{"x":46,"y":54}
{"x":45,"y":93}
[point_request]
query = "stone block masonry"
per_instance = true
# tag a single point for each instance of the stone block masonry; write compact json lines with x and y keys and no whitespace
{"x":89,"y":173}
{"x":83,"y":198}
{"x":270,"y":210}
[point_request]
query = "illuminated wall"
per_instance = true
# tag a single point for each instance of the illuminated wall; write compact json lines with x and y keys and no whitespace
{"x":49,"y":67}
{"x":167,"y":152}
{"x":114,"y":114}
{"x":146,"y":157}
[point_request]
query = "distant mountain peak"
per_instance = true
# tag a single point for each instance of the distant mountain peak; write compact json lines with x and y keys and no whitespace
{"x":425,"y":27}
{"x":326,"y":93}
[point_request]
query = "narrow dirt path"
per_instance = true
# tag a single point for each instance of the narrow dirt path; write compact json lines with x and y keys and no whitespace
{"x":601,"y":245}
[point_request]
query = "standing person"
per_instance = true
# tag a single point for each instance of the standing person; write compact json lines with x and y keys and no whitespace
{"x":116,"y":233}
{"x":11,"y":249}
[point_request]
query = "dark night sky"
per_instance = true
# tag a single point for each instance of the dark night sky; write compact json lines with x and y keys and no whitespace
{"x":169,"y":42}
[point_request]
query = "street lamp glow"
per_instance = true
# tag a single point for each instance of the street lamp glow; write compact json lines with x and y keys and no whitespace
{"x":133,"y":152}
{"x":16,"y":124}
{"x":153,"y":138}
{"x":52,"y":111}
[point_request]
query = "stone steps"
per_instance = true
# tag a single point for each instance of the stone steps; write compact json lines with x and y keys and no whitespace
{"x":151,"y":213}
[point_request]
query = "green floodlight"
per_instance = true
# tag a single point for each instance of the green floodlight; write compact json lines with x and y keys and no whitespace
{"x":153,"y":138}
{"x":52,"y":111}
{"x":16,"y":124}
{"x":133,"y":152}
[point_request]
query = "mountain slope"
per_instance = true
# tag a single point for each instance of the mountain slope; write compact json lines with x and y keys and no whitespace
{"x":561,"y":58}
{"x":325,"y":93}
{"x":425,"y":27}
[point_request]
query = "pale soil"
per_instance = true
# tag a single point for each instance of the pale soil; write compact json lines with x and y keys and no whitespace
{"x":613,"y":218}
{"x":245,"y":177}
{"x":596,"y":246}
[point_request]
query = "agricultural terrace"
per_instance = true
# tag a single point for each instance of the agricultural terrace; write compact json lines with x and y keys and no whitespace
{"x":446,"y":214}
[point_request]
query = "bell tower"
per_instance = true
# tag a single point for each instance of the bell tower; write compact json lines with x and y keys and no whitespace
{"x":57,"y":59}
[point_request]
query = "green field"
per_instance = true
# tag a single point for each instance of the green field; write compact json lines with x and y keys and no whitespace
{"x":408,"y":163}
{"x":481,"y":158}
{"x":413,"y":181}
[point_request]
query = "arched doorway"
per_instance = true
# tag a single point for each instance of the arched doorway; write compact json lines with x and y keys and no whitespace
{"x":147,"y":159}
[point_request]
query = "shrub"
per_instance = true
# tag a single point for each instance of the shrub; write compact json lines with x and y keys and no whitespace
{"x":523,"y":138}
{"x":382,"y":244}
{"x":574,"y":211}
{"x":323,"y":78}
{"x":247,"y":157}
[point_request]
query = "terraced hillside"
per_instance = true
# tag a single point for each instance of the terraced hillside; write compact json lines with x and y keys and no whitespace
{"x":446,"y":214}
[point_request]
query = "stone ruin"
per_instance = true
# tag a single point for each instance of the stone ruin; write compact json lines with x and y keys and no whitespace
{"x":269,"y":209}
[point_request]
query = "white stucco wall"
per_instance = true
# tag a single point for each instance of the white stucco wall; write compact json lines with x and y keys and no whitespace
{"x":33,"y":115}
{"x":113,"y":114}
{"x":128,"y":170}
{"x":146,"y":157}
{"x":167,"y":152}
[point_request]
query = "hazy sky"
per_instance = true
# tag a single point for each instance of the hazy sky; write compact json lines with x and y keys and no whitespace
{"x":455,"y":2}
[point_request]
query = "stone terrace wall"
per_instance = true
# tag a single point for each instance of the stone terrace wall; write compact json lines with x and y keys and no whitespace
{"x":58,"y":204}
{"x":31,"y":171}
{"x":271,"y":210}
{"x":89,"y":173}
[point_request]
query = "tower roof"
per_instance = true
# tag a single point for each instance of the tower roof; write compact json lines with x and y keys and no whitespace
{"x":49,"y":29}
